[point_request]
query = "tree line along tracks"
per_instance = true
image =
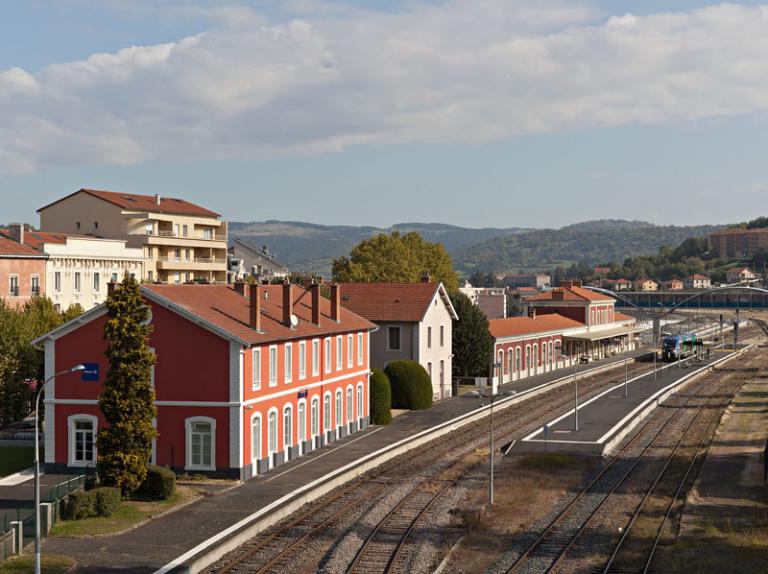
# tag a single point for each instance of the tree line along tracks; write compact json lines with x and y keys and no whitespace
{"x":286,"y":543}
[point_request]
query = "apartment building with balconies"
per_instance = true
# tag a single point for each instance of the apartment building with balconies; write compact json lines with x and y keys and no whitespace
{"x":181,"y":242}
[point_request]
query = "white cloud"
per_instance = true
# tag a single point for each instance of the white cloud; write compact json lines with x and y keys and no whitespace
{"x":467,"y":71}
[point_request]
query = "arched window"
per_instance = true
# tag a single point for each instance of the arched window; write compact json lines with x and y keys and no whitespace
{"x":272,"y":432}
{"x":528,"y":360}
{"x":350,"y":405}
{"x":327,"y":412}
{"x":360,"y":401}
{"x":501,"y":361}
{"x":302,"y":421}
{"x":287,"y":427}
{"x":201,"y":443}
{"x":551,"y":355}
{"x":536,"y":354}
{"x":315,"y":417}
{"x":82,"y":440}
{"x":339,"y":406}
{"x":517,"y":359}
{"x":256,"y":437}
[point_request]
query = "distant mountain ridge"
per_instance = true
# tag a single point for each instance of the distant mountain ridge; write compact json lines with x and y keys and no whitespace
{"x":312,"y":247}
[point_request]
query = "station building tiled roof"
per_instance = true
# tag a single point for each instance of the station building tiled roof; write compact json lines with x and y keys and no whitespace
{"x":223,"y":307}
{"x":391,"y":302}
{"x":11,"y":248}
{"x":570,"y":294}
{"x":522,"y":326}
{"x":135,"y":202}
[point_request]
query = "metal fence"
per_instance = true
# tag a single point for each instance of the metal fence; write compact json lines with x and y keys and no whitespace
{"x":26,"y":514}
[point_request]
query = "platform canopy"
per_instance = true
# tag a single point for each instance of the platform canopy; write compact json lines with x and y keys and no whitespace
{"x":602,"y":334}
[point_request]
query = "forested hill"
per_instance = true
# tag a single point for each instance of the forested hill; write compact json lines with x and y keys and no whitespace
{"x":312,"y":247}
{"x":593,"y":241}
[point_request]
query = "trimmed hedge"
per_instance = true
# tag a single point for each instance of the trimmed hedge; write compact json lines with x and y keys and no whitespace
{"x":381,"y":398}
{"x":107,"y":500}
{"x":410,"y":384}
{"x":79,"y":504}
{"x":160,"y":482}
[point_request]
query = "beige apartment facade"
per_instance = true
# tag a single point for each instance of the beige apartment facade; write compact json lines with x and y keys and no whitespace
{"x":180,"y":242}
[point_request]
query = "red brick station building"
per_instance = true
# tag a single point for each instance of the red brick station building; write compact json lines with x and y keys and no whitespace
{"x":246,"y":378}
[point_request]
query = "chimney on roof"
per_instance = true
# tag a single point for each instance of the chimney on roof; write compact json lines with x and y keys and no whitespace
{"x":16,"y":232}
{"x":314,"y":291}
{"x":240,"y":288}
{"x":287,"y":303}
{"x":254,"y":319}
{"x":531,"y":311}
{"x":335,"y":302}
{"x":425,"y":278}
{"x":157,"y":198}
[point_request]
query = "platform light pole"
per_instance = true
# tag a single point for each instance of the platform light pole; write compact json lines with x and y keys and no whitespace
{"x":38,"y":557}
{"x":576,"y":396}
{"x":496,"y":366}
{"x":626,"y":377}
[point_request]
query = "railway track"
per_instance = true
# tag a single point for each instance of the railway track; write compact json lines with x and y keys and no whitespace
{"x":546,"y":551}
{"x":278,"y":547}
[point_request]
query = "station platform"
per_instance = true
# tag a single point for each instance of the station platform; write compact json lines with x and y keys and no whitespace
{"x":605,"y":418}
{"x":162,"y":544}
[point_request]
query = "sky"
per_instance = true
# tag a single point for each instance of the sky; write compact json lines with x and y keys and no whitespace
{"x":502,"y":113}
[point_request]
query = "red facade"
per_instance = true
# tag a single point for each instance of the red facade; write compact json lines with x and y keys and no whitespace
{"x":210,"y":405}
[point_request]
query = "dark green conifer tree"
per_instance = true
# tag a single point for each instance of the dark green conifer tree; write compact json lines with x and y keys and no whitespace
{"x":128,"y":400}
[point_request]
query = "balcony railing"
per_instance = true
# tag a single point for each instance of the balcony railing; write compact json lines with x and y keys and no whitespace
{"x":36,"y":290}
{"x":13,"y":291}
{"x":191,"y":260}
{"x":204,"y":237}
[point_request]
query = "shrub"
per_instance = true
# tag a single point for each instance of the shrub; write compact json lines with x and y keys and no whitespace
{"x":160,"y":482}
{"x":410,"y":384}
{"x":107,"y":500}
{"x":79,"y":504}
{"x":381,"y":398}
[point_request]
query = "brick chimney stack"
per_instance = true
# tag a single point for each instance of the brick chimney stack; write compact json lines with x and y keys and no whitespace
{"x":425,"y":278}
{"x":287,"y":303}
{"x":157,"y":198}
{"x":532,"y":312}
{"x":314,"y":291}
{"x":16,"y":231}
{"x":254,"y":320}
{"x":335,"y":302}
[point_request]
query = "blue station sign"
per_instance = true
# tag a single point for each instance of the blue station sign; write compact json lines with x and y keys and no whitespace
{"x":303,"y":394}
{"x":91,"y":372}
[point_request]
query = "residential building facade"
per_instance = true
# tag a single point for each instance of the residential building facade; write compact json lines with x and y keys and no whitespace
{"x":738,"y":243}
{"x":697,"y":281}
{"x":491,"y":300}
{"x":22,"y":272}
{"x":414,"y":323}
{"x":536,"y":280}
{"x":740,"y":275}
{"x":646,"y":285}
{"x":257,"y":262}
{"x":245,"y":378}
{"x":181,"y":242}
{"x":674,"y":285}
{"x":78,"y":268}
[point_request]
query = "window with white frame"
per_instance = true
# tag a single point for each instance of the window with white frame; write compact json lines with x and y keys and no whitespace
{"x":35,"y":280}
{"x":288,"y":362}
{"x":350,"y":405}
{"x":302,"y":359}
{"x":77,"y":282}
{"x":315,"y":357}
{"x":82,"y":440}
{"x":327,"y":354}
{"x":272,"y":432}
{"x":350,"y":351}
{"x":339,"y":406}
{"x":442,"y":335}
{"x":256,"y":377}
{"x":339,"y":352}
{"x":359,"y":348}
{"x":429,"y":337}
{"x":272,"y":365}
{"x":327,"y":412}
{"x":96,"y":282}
{"x":256,"y":437}
{"x":314,"y":423}
{"x":57,"y":281}
{"x":301,"y":421}
{"x":360,"y":401}
{"x":287,"y":427}
{"x":201,"y":443}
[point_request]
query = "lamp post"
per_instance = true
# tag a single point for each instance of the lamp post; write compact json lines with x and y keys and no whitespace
{"x":575,"y":396}
{"x":496,"y":365}
{"x":626,"y":392}
{"x":74,"y":369}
